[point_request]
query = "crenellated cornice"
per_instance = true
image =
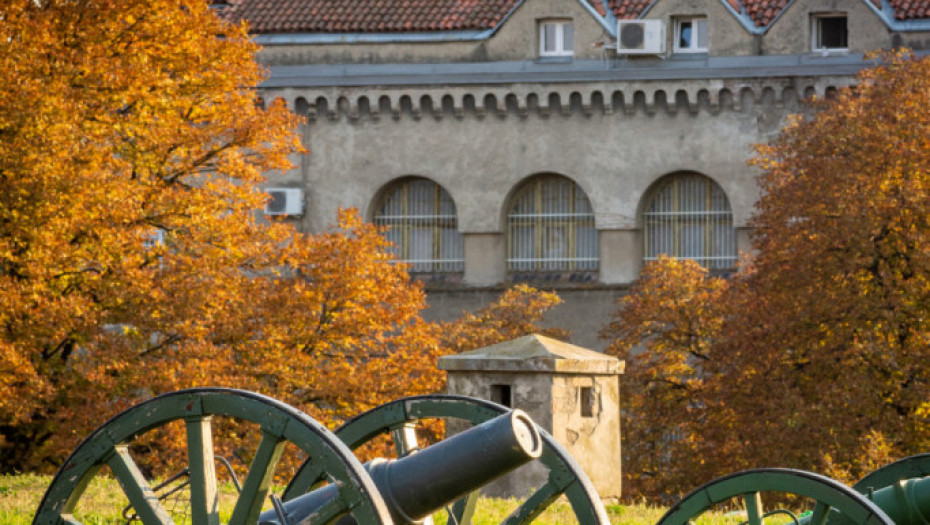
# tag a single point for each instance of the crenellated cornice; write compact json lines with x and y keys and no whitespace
{"x":552,"y":100}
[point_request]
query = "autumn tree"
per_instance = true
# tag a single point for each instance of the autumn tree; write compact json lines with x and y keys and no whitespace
{"x":843,"y":235}
{"x":664,"y":329}
{"x":817,"y":350}
{"x":131,"y":258}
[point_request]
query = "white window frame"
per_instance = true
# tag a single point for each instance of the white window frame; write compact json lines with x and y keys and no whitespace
{"x":559,"y":47}
{"x":694,"y":21}
{"x":816,"y":21}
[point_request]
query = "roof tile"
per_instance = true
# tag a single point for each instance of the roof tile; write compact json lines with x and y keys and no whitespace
{"x":368,"y":16}
{"x":386,"y":16}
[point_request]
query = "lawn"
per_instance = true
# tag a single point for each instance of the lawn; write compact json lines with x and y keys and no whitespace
{"x":103,"y":503}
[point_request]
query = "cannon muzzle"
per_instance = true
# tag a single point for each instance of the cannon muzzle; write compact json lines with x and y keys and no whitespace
{"x":424,"y":482}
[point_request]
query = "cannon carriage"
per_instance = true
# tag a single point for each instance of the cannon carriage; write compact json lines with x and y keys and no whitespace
{"x":333,"y":486}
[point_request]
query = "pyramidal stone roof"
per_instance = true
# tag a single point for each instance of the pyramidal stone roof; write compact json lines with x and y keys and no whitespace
{"x":533,"y":354}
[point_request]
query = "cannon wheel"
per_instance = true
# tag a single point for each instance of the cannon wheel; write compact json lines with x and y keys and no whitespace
{"x":911,"y":467}
{"x":399,"y":417}
{"x":829,"y":495}
{"x":279,"y":423}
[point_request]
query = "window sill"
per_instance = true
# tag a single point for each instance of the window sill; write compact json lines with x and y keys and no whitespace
{"x":688,"y":55}
{"x":829,"y":52}
{"x":567,"y":59}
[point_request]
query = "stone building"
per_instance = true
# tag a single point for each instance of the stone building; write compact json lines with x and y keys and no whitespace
{"x":570,"y":392}
{"x":563,"y":143}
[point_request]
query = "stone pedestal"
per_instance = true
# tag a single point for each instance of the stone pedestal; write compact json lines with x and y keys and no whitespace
{"x":570,"y":391}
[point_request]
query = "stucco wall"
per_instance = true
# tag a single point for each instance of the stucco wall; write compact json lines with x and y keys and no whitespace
{"x":791,"y":34}
{"x":614,"y":144}
{"x":726,"y":36}
{"x":516,"y":39}
{"x":593,"y":441}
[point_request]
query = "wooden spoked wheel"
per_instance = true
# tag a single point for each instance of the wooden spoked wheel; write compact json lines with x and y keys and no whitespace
{"x":279,"y":424}
{"x":399,"y":419}
{"x":831,"y":499}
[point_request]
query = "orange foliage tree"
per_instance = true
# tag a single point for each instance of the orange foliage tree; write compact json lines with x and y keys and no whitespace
{"x":131,"y":259}
{"x":817,"y":351}
{"x":664,"y":329}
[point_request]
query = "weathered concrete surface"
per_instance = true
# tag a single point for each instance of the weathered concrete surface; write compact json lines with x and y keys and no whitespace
{"x":584,"y":311}
{"x":551,"y":381}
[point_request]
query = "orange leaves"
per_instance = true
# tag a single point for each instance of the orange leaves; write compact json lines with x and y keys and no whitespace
{"x":131,"y":258}
{"x":815,"y":356}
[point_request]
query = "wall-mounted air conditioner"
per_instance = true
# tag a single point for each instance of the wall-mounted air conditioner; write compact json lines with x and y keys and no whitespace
{"x":284,"y":201}
{"x":640,"y":37}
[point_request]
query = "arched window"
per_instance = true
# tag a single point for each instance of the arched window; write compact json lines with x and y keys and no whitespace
{"x":688,"y":216}
{"x":423,"y":226}
{"x":550,"y":226}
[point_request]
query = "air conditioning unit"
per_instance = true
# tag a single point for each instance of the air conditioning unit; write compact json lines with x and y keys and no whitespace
{"x":640,"y":37}
{"x":284,"y":201}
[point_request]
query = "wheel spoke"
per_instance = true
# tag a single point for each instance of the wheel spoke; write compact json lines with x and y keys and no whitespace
{"x":258,"y":481}
{"x":819,"y":514}
{"x":204,"y":499}
{"x":464,"y":509}
{"x":753,"y":503}
{"x":309,"y":474}
{"x":137,"y":489}
{"x":405,"y":438}
{"x":534,"y":505}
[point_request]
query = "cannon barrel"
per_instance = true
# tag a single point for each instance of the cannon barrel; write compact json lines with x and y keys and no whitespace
{"x":906,"y":502}
{"x":417,"y":485}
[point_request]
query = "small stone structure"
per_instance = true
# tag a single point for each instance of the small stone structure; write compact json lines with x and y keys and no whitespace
{"x":570,"y":391}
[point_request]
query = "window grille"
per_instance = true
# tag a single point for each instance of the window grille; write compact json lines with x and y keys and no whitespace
{"x":423,"y":227}
{"x":550,"y":226}
{"x":689,"y":217}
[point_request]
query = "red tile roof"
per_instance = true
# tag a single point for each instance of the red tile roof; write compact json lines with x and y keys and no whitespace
{"x":393,"y":16}
{"x":627,"y":9}
{"x":910,"y":9}
{"x":762,"y":12}
{"x":368,"y":16}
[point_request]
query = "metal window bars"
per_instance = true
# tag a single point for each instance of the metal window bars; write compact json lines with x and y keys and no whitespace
{"x":423,"y":227}
{"x":550,"y":226}
{"x":689,"y":217}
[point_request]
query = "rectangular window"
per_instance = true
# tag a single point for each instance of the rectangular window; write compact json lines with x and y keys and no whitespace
{"x":500,"y":394}
{"x":556,"y":38}
{"x":587,"y":401}
{"x":691,"y":35}
{"x":829,"y":33}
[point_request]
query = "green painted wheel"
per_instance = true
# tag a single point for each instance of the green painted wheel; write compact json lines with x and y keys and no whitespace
{"x":910,"y":467}
{"x":745,"y":489}
{"x":279,"y":424}
{"x":399,"y":419}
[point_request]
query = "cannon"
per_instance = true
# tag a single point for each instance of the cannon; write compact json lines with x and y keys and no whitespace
{"x":332,"y":485}
{"x":330,"y":461}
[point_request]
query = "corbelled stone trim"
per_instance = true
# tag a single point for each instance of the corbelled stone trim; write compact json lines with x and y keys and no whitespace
{"x":520,"y":101}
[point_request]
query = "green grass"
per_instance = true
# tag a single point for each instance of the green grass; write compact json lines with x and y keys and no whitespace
{"x":104,"y":501}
